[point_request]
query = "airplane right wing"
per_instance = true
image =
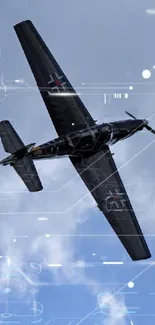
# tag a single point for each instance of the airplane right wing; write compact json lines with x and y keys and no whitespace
{"x":67,"y":111}
{"x":100,"y":175}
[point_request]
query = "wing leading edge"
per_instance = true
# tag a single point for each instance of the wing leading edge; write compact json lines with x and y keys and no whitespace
{"x":64,"y":106}
{"x":100,"y":175}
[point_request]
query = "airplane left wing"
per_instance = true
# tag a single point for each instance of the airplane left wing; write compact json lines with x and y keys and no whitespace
{"x":100,"y":175}
{"x":67,"y":111}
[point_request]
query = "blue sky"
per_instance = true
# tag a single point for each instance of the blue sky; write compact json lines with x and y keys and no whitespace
{"x":106,"y":44}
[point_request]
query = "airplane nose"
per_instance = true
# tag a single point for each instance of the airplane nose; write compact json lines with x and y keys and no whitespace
{"x":145,"y":122}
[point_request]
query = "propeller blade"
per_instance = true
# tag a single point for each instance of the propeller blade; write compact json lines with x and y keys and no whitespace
{"x":146,"y":126}
{"x":130,"y":115}
{"x":150,"y":129}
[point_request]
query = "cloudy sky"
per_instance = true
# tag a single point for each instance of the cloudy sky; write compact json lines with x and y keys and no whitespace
{"x":98,"y":44}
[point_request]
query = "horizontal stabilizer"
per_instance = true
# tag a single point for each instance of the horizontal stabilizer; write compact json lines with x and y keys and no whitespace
{"x":9,"y":137}
{"x":26,"y":169}
{"x":20,"y":158}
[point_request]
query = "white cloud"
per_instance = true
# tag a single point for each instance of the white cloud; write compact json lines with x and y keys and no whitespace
{"x":115,"y":308}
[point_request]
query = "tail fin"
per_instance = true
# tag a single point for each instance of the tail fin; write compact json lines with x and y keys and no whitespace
{"x":20,"y":159}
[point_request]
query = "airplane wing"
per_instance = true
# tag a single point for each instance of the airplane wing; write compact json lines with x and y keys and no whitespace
{"x":64,"y":106}
{"x":100,"y":175}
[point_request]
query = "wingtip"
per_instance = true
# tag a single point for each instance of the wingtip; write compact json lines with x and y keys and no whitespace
{"x":142,"y":258}
{"x":4,"y":121}
{"x":24,"y":22}
{"x":40,"y":188}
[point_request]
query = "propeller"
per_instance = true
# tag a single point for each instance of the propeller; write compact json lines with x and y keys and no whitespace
{"x":150,"y":129}
{"x":130,"y":115}
{"x":145,"y":125}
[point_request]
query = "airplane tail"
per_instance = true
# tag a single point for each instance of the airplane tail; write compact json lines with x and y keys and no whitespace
{"x":20,"y":158}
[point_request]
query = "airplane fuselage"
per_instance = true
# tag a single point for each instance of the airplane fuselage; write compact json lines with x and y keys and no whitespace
{"x":88,"y":140}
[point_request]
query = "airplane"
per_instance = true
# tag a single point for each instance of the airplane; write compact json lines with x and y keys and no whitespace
{"x":80,"y":138}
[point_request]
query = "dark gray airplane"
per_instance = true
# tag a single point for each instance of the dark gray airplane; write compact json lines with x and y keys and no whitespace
{"x":83,"y":141}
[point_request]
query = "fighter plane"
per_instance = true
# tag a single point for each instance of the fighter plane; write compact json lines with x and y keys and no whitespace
{"x":80,"y":138}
